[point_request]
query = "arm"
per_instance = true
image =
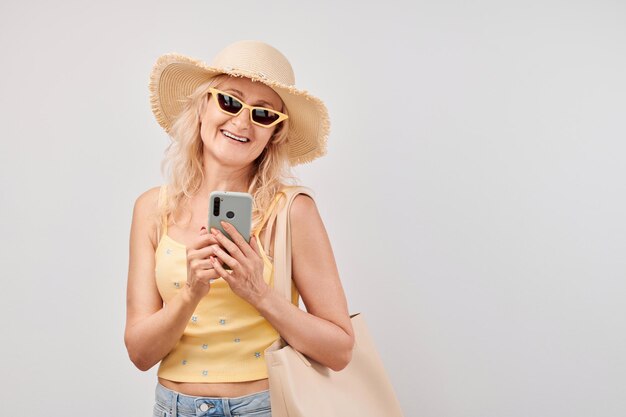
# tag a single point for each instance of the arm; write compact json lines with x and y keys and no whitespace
{"x":152,"y":330}
{"x":324,"y":332}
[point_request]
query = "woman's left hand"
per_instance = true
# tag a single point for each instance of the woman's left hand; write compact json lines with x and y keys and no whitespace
{"x":245,"y":261}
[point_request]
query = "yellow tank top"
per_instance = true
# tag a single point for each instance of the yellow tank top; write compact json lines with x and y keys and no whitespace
{"x":226,"y":336}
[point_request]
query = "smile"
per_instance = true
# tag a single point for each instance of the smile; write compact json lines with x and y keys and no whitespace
{"x":235,"y":137}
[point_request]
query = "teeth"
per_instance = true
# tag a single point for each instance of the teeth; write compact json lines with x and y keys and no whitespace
{"x":230,"y":135}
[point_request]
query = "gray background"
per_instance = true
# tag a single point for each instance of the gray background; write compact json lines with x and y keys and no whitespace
{"x":473,"y":191}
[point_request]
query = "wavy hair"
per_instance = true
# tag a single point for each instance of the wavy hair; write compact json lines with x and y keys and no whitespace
{"x":183,"y":164}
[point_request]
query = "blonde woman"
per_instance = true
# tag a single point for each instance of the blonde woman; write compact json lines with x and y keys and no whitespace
{"x":236,"y":125}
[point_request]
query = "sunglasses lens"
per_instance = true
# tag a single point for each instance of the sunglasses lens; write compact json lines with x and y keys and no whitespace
{"x":228,"y":103}
{"x":264,"y":117}
{"x":231,"y":105}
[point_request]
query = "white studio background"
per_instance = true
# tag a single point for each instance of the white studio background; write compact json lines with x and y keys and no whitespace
{"x":474,"y":191}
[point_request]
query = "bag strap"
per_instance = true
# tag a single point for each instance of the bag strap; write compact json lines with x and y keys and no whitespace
{"x":282,"y":242}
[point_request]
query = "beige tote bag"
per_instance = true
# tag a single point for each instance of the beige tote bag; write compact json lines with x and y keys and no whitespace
{"x":301,"y":387}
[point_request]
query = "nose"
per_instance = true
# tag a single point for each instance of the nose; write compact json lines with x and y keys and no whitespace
{"x":242,"y":120}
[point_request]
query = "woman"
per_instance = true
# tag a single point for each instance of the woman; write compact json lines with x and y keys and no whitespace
{"x":207,"y":327}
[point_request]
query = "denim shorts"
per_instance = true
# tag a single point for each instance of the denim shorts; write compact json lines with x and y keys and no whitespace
{"x":170,"y":403}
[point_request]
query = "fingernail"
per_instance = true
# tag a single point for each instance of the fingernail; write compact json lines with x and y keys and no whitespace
{"x":214,"y":231}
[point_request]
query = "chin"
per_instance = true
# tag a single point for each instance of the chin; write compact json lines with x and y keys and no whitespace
{"x":230,"y":161}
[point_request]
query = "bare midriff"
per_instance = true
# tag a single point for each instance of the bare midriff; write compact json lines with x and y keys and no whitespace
{"x":217,"y":389}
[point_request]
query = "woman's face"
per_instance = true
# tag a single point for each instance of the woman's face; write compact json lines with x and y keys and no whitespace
{"x":216,"y":125}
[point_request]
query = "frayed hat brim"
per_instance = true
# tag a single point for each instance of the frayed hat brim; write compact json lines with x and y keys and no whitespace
{"x":174,"y":77}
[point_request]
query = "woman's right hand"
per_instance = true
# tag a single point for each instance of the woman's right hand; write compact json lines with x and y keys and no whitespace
{"x":199,"y":268}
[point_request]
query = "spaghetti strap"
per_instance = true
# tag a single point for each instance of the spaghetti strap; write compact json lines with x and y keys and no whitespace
{"x":269,"y":215}
{"x":162,"y":198}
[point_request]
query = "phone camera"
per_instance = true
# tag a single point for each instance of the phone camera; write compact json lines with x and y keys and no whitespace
{"x":216,"y":206}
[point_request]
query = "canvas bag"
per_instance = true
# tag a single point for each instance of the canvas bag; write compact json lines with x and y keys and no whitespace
{"x":300,"y":386}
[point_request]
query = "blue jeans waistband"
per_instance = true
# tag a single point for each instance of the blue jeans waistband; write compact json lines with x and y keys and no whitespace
{"x":176,"y":404}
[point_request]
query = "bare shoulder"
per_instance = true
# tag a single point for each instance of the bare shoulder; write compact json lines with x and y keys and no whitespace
{"x":146,"y":213}
{"x":302,"y":207}
{"x":305,"y":218}
{"x":149,"y":197}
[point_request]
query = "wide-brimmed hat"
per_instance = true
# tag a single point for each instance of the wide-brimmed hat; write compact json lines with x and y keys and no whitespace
{"x":174,"y":77}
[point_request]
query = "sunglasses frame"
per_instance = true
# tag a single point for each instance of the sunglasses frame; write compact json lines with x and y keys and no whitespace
{"x":214,"y":92}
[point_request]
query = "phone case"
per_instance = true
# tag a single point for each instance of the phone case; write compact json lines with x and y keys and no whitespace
{"x":235,"y":208}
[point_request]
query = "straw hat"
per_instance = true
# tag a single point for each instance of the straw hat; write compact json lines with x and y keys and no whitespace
{"x":174,"y":77}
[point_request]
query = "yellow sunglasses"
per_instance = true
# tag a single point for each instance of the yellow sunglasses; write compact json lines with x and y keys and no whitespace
{"x":260,"y":116}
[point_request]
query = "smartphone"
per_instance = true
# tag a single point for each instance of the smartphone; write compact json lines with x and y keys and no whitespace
{"x":234,"y":208}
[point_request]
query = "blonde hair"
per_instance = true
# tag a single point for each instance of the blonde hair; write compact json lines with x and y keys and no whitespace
{"x":183,"y":163}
